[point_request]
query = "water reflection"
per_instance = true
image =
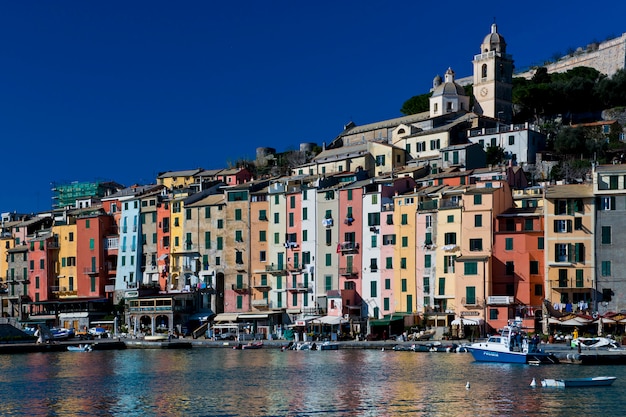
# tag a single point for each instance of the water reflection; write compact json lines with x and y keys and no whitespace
{"x":268,"y":382}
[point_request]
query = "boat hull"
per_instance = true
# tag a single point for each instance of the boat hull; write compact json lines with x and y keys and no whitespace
{"x":489,"y":355}
{"x":601,"y":381}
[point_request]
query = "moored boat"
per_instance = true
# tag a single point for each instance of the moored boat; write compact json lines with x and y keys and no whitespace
{"x":598,"y":381}
{"x":508,"y":347}
{"x":80,"y":348}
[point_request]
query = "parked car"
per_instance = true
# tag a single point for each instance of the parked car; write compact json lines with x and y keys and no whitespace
{"x":99,"y":332}
{"x":62,"y":334}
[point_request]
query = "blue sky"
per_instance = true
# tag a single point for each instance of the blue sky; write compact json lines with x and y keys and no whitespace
{"x":121,"y":91}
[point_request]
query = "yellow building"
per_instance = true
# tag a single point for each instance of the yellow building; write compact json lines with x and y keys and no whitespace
{"x":569,"y":246}
{"x":405,"y":279}
{"x":66,"y":274}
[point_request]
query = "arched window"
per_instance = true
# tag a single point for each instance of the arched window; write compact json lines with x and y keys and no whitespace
{"x":484,"y":71}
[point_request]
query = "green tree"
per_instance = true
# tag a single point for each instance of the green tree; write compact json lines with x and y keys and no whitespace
{"x":416,"y":104}
{"x":495,"y":155}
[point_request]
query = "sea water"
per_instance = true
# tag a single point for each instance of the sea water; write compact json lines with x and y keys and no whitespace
{"x":270,"y":382}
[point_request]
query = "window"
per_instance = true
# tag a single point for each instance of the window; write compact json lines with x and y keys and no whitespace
{"x":606,"y":235}
{"x":476,"y":244}
{"x":262,"y":236}
{"x":237,"y":214}
{"x":305,"y":213}
{"x":470,"y":268}
{"x":207,"y":212}
{"x":389,"y":218}
{"x":220,"y":243}
{"x":373,"y":292}
{"x":538,"y":290}
{"x":291,"y":219}
{"x":450,"y":238}
{"x":276,"y":238}
{"x":349,"y":194}
{"x":578,"y":223}
{"x":262,"y":256}
{"x":607,"y":203}
{"x":511,"y":140}
{"x":373,"y":264}
{"x":426,"y":285}
{"x":276,"y":218}
{"x":220,"y":223}
{"x":402,"y":263}
{"x":403,"y":284}
{"x":374,"y":199}
{"x":580,"y":281}
{"x":389,"y":263}
{"x":374,"y":241}
{"x":238,"y":236}
{"x":405,"y":219}
{"x":562,"y":226}
{"x":373,"y":219}
{"x":508,"y":243}
{"x":328,"y":282}
{"x":329,"y":237}
{"x":540,"y":243}
{"x":528,"y":224}
{"x":534,"y":267}
{"x":448,"y":264}
{"x":405,"y":241}
{"x":329,"y":259}
{"x":509,"y":268}
{"x":478,"y":220}
{"x":389,"y":240}
{"x":450,"y":219}
{"x":442,"y":286}
{"x":470,"y":295}
{"x":606,"y":268}
{"x":305,"y":235}
{"x":478,"y":199}
{"x":613,"y":182}
{"x":427,"y":261}
{"x":292,"y":201}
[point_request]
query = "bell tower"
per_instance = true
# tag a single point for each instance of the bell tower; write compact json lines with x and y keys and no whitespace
{"x":493,"y":78}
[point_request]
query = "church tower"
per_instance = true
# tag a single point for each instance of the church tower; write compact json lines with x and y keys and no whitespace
{"x":493,"y":78}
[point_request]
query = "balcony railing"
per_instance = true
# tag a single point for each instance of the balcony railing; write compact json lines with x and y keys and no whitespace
{"x":428,"y":205}
{"x":500,"y":300}
{"x":240,"y":287}
{"x":349,"y":271}
{"x":260,"y":303}
{"x":449,"y":204}
{"x":348,"y":247}
{"x":300,"y":287}
{"x":472,"y":302}
{"x":276,"y":269}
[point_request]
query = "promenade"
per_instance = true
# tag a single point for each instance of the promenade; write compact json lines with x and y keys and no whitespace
{"x":563,"y":352}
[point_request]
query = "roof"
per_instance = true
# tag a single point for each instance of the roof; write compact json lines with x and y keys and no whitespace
{"x":186,"y":173}
{"x":413,"y":118}
{"x":210,"y":200}
{"x":569,"y":191}
{"x":343,"y":151}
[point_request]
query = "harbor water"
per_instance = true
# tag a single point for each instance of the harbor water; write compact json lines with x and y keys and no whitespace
{"x":270,"y":382}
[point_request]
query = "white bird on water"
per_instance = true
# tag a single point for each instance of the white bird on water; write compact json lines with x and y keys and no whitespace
{"x":533,"y":383}
{"x":467,"y":386}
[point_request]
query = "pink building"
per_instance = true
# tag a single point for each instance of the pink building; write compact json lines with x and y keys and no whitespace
{"x":350,"y":223}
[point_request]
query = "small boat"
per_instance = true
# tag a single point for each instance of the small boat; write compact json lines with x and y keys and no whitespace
{"x":251,"y":345}
{"x":329,"y":346}
{"x":504,"y":349}
{"x":598,"y":381}
{"x":80,"y":348}
{"x":156,"y":338}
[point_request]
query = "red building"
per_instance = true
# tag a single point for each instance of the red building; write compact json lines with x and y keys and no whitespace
{"x":518,"y":269}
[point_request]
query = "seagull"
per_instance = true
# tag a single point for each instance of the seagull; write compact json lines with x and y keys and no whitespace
{"x":533,"y":383}
{"x":467,"y":386}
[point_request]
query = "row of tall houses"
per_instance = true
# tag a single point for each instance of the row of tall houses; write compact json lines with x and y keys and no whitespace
{"x":459,"y":244}
{"x":392,"y":224}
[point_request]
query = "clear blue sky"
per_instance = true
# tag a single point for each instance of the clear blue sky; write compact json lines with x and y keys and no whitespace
{"x":122,"y":90}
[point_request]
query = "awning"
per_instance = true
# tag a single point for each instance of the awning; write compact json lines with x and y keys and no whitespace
{"x":226,"y":317}
{"x":466,"y":322}
{"x":203,"y":316}
{"x":253,"y":316}
{"x":449,"y":248}
{"x":385,"y":321}
{"x":293,"y":311}
{"x":164,"y":256}
{"x":575,"y":321}
{"x":332,"y":320}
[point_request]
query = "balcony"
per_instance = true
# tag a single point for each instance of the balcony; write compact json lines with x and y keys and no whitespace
{"x":348,"y":247}
{"x":350,"y":272}
{"x":276,"y":269}
{"x":500,"y":300}
{"x":241,"y":288}
{"x":262,"y":287}
{"x":428,"y":205}
{"x":472,"y":302}
{"x":261,"y":304}
{"x":449,"y":204}
{"x":300,"y":287}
